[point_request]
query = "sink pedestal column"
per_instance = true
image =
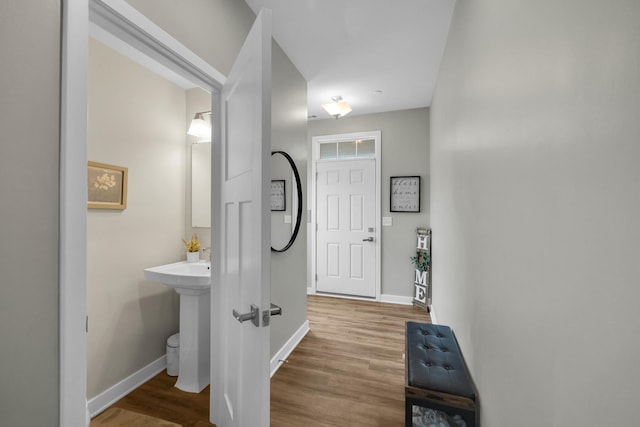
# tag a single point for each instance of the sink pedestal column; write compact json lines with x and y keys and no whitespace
{"x":195,"y":314}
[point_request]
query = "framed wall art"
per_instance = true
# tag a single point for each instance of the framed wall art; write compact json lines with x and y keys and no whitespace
{"x":278,"y":195}
{"x":405,"y":194}
{"x":107,"y":185}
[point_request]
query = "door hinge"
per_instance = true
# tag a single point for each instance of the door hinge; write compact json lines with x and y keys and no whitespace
{"x":86,"y":323}
{"x":316,"y":277}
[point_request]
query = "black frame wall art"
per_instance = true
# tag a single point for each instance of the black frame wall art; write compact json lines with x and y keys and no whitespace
{"x":404,"y":194}
{"x":278,"y":195}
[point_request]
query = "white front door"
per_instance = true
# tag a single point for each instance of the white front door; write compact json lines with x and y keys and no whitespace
{"x":346,"y":221}
{"x":241,"y":229}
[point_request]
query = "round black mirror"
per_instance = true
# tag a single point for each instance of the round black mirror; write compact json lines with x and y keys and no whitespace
{"x":278,"y":200}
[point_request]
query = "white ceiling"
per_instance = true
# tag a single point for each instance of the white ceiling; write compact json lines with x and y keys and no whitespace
{"x":354,"y":48}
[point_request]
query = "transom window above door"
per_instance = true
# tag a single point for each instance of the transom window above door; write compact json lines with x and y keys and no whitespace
{"x":357,"y":148}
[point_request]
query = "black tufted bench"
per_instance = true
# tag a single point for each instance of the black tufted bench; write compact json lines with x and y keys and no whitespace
{"x":437,"y":378}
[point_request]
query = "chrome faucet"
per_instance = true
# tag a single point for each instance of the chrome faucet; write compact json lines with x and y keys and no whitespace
{"x":207,"y":251}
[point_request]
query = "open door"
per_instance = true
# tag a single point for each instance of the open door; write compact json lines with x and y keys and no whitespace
{"x":240,"y":287}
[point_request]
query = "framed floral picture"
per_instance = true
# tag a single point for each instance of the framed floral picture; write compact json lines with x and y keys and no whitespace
{"x":107,"y":185}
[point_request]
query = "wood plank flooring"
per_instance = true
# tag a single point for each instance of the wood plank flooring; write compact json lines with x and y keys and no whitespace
{"x":160,"y":399}
{"x":122,"y":417}
{"x":347,"y":372}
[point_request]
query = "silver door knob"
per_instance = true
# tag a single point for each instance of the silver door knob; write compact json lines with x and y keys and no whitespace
{"x":253,"y":315}
{"x":274,"y":310}
{"x":368,"y":239}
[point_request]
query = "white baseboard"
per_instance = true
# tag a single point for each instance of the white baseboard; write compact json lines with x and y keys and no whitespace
{"x":116,"y":392}
{"x":386,"y":298}
{"x":432,"y":314}
{"x":289,"y":346}
{"x":396,"y":299}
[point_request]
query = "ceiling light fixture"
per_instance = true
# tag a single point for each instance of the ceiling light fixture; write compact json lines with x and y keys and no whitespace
{"x":200,"y":127}
{"x":338,"y":108}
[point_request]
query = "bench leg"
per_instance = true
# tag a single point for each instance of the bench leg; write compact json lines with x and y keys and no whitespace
{"x":408,"y":413}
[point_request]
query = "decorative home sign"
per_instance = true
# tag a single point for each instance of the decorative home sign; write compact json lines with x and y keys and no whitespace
{"x":422,"y":262}
{"x":278,"y":197}
{"x":107,"y":185}
{"x":405,"y":194}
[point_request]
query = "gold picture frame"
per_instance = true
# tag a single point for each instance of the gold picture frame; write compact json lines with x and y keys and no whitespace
{"x":107,"y":186}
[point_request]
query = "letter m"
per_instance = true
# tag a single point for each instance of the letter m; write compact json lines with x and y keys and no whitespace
{"x":421,"y":277}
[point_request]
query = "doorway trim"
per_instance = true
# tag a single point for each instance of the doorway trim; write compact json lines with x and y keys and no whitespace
{"x":125,"y":22}
{"x":315,"y":156}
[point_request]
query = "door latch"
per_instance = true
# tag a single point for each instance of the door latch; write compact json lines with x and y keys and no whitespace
{"x":253,"y":315}
{"x":273,"y":311}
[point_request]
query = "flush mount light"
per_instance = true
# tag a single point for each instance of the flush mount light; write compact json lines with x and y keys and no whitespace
{"x":200,"y":127}
{"x":338,"y":108}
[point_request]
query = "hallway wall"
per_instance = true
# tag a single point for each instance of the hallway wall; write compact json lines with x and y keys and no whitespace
{"x":535,"y":204}
{"x":29,"y":211}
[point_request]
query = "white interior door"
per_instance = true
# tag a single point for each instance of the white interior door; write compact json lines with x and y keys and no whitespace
{"x":241,"y":212}
{"x":346,"y":218}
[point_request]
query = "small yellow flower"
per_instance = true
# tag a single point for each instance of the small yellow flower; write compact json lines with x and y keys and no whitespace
{"x":192,"y":245}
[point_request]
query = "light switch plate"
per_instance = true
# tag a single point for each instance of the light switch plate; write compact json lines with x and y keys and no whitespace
{"x":387,"y":221}
{"x":287,"y":219}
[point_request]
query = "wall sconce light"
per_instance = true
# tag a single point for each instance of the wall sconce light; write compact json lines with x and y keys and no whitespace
{"x":338,"y":108}
{"x":200,"y":127}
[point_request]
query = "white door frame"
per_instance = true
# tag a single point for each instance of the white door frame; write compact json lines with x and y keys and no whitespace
{"x":315,"y":155}
{"x":122,"y":20}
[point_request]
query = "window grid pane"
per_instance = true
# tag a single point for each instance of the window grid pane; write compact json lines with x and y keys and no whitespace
{"x":360,"y":148}
{"x":328,"y":150}
{"x":346,"y":149}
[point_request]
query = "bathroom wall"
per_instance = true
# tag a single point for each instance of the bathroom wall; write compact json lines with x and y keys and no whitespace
{"x":198,"y":100}
{"x":216,"y":32}
{"x":535,"y":150}
{"x":137,"y":120}
{"x":405,"y":151}
{"x":29,"y":189}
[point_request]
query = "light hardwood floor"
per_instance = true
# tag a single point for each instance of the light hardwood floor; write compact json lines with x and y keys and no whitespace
{"x":347,"y":372}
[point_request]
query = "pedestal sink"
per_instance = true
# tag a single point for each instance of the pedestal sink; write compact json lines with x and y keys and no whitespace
{"x":192,"y":280}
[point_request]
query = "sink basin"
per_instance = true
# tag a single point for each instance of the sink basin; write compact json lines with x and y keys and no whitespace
{"x":182,"y":275}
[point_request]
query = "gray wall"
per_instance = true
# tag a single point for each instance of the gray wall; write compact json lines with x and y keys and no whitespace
{"x":535,"y":205}
{"x":214,"y":30}
{"x":289,"y":133}
{"x":29,"y":119}
{"x":405,"y":151}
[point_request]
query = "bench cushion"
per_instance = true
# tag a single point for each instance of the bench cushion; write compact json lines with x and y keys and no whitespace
{"x":434,"y":361}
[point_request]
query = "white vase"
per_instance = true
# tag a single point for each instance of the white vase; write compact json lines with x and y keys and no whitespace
{"x":193,"y":256}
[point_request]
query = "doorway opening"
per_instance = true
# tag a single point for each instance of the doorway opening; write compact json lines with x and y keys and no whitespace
{"x":123,"y":22}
